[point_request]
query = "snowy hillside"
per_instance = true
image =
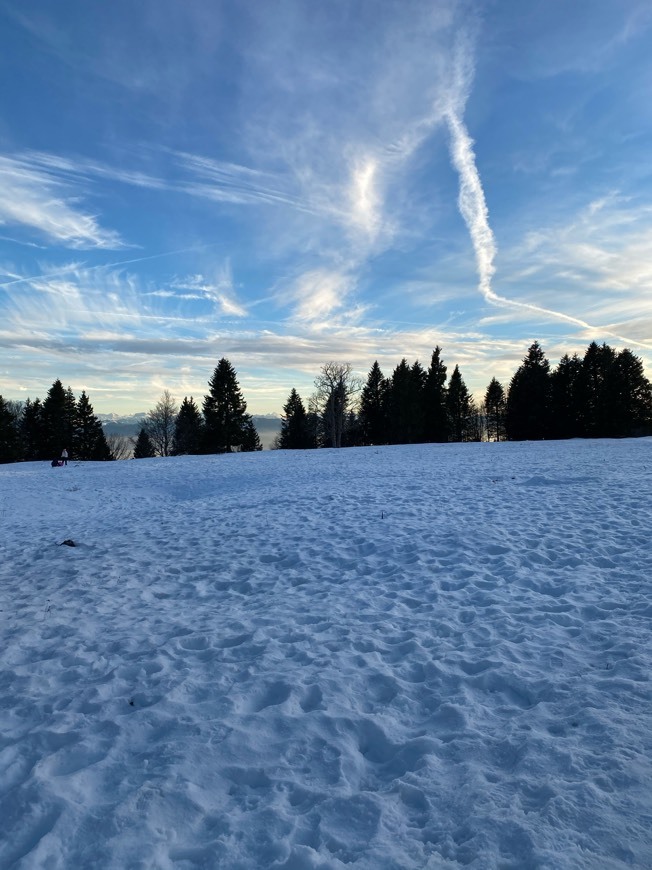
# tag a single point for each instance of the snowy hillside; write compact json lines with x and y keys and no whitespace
{"x":404,"y":657}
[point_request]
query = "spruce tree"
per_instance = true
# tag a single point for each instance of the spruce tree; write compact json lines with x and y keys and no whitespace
{"x":70,"y":420}
{"x":143,"y":448}
{"x":32,"y":432}
{"x":417,"y":408}
{"x":434,"y":397}
{"x":58,"y":420}
{"x":295,"y":431}
{"x":89,"y":441}
{"x":372,"y":415}
{"x":528,"y":399}
{"x":405,"y":403}
{"x":225,"y":411}
{"x":564,"y":398}
{"x":352,"y":431}
{"x":9,"y":438}
{"x":461,"y":409}
{"x":597,"y":392}
{"x":249,"y":442}
{"x":188,"y":429}
{"x":633,"y":403}
{"x":494,"y":408}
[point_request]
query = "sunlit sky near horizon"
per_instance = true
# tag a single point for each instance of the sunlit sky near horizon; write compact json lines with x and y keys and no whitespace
{"x":291,"y":182}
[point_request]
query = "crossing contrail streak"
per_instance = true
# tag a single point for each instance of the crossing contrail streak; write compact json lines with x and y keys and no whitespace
{"x":75,"y":266}
{"x":473,"y":205}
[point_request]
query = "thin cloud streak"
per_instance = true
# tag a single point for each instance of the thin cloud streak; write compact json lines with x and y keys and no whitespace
{"x":74,"y":267}
{"x":36,"y":199}
{"x":473,"y":205}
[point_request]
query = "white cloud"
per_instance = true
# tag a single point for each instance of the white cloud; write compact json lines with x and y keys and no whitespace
{"x":318,"y":293}
{"x":32,"y":197}
{"x":220,"y":290}
{"x":364,"y":197}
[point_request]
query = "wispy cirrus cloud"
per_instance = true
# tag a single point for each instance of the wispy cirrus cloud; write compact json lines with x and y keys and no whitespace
{"x":316,"y":293}
{"x":33,"y":197}
{"x":219,"y":290}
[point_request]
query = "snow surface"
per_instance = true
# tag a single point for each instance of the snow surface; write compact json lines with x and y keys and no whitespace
{"x":399,"y":657}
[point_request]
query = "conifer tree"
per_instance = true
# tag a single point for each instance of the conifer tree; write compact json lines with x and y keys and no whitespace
{"x":315,"y":422}
{"x":528,"y":399}
{"x":564,"y":398}
{"x":295,"y":430}
{"x":188,"y":429}
{"x":225,"y":411}
{"x":32,"y":431}
{"x":143,"y":448}
{"x":434,"y":397}
{"x":372,"y":415}
{"x":89,"y":441}
{"x":352,"y":432}
{"x":58,"y":417}
{"x":9,"y":434}
{"x":461,"y":409}
{"x":597,"y":392}
{"x":633,"y":403}
{"x":405,"y":403}
{"x":250,"y":442}
{"x":417,"y":407}
{"x":494,"y":408}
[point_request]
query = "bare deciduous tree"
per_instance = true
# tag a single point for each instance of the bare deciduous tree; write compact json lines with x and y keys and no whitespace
{"x":121,"y":446}
{"x":336,"y":388}
{"x":159,"y":424}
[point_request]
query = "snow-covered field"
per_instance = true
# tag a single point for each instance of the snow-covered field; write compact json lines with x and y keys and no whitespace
{"x":399,"y":657}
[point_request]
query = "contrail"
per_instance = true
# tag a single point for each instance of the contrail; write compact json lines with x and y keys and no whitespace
{"x":75,"y":266}
{"x":473,"y":205}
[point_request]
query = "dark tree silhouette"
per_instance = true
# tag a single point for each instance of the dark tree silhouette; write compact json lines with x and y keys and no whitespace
{"x":58,"y":421}
{"x":596,"y":393}
{"x":528,"y":400}
{"x":227,"y":426}
{"x":250,"y":441}
{"x":436,"y":421}
{"x":89,"y":441}
{"x":633,"y":399}
{"x":143,"y":448}
{"x":564,"y":410}
{"x":32,"y":431}
{"x":462,"y":413}
{"x":372,"y":415}
{"x":405,"y":412}
{"x":9,"y":433}
{"x":494,"y":409}
{"x":188,"y":429}
{"x":295,"y":429}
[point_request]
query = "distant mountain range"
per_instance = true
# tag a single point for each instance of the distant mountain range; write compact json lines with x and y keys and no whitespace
{"x":267,"y":425}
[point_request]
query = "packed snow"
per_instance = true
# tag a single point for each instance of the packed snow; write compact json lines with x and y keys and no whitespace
{"x":432,"y":656}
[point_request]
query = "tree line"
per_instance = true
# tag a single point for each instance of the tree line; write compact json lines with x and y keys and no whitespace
{"x":41,"y":429}
{"x":603,"y":394}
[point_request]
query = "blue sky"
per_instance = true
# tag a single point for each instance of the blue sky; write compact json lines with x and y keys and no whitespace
{"x":289,"y":182}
